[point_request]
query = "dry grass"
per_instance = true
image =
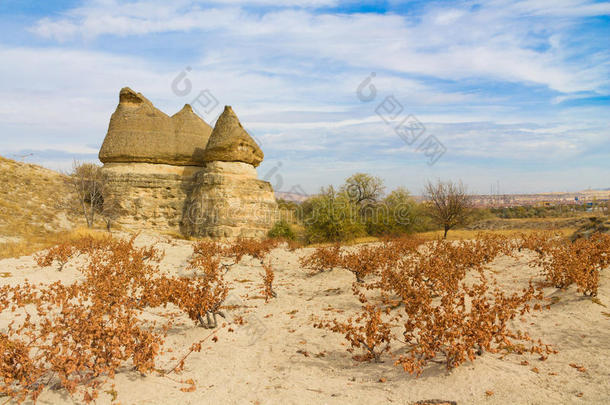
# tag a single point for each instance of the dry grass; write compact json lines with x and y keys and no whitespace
{"x":30,"y":218}
{"x":29,"y":197}
{"x":459,"y":234}
{"x":34,"y":242}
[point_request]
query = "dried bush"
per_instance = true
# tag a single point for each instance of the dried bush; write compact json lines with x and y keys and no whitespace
{"x":322,"y":259}
{"x":565,"y":263}
{"x":445,"y":318}
{"x":366,"y":261}
{"x":77,"y":336}
{"x":367,"y":331}
{"x":268,"y":277}
{"x":257,"y":249}
{"x":60,"y":253}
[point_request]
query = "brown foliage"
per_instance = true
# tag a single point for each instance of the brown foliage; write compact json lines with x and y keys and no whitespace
{"x":444,"y":315}
{"x":85,"y":331}
{"x":268,"y":277}
{"x":60,"y":254}
{"x":367,"y":331}
{"x":257,"y":249}
{"x":322,"y":258}
{"x":565,"y":263}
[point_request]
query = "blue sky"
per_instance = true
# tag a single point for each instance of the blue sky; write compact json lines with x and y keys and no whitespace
{"x":516,"y":92}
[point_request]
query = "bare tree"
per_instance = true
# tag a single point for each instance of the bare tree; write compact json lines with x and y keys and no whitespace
{"x":449,"y":203}
{"x":89,"y":186}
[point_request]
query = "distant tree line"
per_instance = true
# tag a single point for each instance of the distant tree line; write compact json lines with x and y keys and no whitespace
{"x":360,"y":208}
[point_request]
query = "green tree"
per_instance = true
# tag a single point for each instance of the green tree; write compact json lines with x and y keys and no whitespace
{"x":397,"y":213}
{"x":282,"y":229}
{"x":332,"y":216}
{"x":362,"y":188}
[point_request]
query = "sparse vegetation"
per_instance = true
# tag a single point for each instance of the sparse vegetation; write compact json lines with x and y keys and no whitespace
{"x":415,"y":299}
{"x":282,"y":230}
{"x":443,"y":314}
{"x":421,"y":302}
{"x":92,"y":197}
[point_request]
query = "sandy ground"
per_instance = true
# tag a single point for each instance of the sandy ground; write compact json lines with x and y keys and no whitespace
{"x":277,"y":356}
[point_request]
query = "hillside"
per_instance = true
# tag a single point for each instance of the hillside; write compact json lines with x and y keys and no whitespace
{"x":30,"y":197}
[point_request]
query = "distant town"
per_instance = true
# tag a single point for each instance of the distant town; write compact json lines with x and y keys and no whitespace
{"x":584,"y":197}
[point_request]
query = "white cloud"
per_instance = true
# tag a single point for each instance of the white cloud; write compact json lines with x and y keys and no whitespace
{"x":562,"y":8}
{"x":450,"y":44}
{"x":291,"y":74}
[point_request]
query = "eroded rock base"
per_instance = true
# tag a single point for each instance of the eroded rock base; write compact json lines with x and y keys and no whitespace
{"x":228,"y":201}
{"x":150,"y":195}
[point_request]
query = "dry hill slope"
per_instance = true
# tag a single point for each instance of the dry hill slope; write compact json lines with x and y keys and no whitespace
{"x":29,"y":201}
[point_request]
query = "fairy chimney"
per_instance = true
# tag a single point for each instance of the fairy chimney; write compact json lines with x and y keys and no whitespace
{"x":140,"y":133}
{"x":150,"y":159}
{"x":228,"y":200}
{"x":177,"y":174}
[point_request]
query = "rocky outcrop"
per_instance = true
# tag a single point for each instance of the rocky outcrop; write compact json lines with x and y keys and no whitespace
{"x":230,"y":142}
{"x":139,"y":132}
{"x":177,"y":174}
{"x":228,"y":200}
{"x":150,"y":196}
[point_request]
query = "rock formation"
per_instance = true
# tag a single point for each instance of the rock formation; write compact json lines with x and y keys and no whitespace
{"x":140,"y":133}
{"x":228,"y":200}
{"x":164,"y":176}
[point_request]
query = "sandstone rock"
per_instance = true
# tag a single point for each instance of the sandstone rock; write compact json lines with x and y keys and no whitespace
{"x":177,"y":174}
{"x":139,"y":132}
{"x":192,"y":130}
{"x":228,"y":201}
{"x":150,"y":195}
{"x":230,"y":142}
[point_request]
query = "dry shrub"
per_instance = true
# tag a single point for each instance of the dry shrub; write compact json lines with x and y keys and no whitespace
{"x":367,"y":331}
{"x":404,"y":245}
{"x":365,"y":261}
{"x":268,"y":277}
{"x":206,"y":256}
{"x":536,"y":241}
{"x":461,"y":324}
{"x":565,"y":263}
{"x":60,"y":253}
{"x":77,"y":336}
{"x":444,"y":316}
{"x":257,"y":249}
{"x":197,"y":297}
{"x":322,"y":258}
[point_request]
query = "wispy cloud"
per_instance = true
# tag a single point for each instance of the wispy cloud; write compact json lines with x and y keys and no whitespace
{"x":492,"y":80}
{"x":458,"y":43}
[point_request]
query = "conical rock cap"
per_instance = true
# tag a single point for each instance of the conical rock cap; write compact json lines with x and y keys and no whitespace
{"x":230,"y":142}
{"x":192,"y":132}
